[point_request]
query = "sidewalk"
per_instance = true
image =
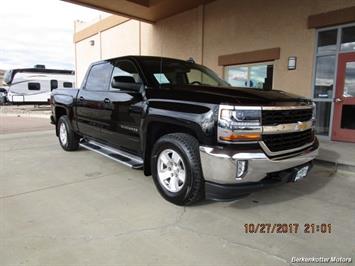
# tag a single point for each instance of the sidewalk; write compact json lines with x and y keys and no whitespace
{"x":342,"y":154}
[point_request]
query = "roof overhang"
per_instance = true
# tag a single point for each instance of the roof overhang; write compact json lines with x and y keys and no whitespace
{"x":143,"y":10}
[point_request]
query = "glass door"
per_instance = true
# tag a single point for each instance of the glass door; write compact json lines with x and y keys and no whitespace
{"x":344,"y":110}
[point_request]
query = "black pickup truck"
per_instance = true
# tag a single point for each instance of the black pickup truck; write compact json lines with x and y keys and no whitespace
{"x":194,"y":133}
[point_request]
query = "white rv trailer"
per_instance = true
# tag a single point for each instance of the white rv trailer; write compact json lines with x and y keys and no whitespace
{"x":34,"y":85}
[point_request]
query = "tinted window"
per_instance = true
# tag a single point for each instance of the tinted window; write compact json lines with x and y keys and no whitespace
{"x":126,"y":69}
{"x":54,"y":84}
{"x":176,"y":72}
{"x":67,"y":84}
{"x":197,"y":77}
{"x":34,"y":86}
{"x":99,"y":77}
{"x":327,"y":40}
{"x":348,"y":39}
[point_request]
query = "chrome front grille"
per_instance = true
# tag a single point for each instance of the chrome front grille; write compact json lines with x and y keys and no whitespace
{"x":286,"y":129}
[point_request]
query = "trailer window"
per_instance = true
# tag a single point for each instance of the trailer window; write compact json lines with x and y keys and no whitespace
{"x":54,"y":84}
{"x":67,"y":85}
{"x":34,"y":86}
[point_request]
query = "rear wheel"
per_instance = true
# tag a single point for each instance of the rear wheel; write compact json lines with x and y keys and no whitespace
{"x":68,"y":139}
{"x":176,"y":168}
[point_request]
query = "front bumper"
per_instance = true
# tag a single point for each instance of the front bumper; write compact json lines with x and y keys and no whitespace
{"x":229,"y":192}
{"x":219,"y":165}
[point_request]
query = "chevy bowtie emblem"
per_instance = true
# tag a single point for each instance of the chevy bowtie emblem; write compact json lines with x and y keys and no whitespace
{"x":301,"y":126}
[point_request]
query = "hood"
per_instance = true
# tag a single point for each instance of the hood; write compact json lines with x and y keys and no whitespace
{"x":226,"y":95}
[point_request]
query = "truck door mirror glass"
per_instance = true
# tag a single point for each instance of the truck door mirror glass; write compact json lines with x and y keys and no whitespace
{"x":125,"y":83}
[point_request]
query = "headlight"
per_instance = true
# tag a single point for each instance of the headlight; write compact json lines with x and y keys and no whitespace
{"x":239,"y":123}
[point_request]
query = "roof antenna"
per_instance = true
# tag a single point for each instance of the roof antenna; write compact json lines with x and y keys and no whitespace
{"x":191,"y":60}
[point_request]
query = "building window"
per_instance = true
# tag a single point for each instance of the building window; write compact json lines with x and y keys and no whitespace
{"x":323,"y":111}
{"x":327,"y":41}
{"x":348,"y":39}
{"x":258,"y":76}
{"x":324,"y":81}
{"x":34,"y":86}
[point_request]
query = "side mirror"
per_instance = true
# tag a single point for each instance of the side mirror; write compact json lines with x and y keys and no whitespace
{"x":125,"y":83}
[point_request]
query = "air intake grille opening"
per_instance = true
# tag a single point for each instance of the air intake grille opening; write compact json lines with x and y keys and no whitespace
{"x":275,"y":117}
{"x":288,"y":141}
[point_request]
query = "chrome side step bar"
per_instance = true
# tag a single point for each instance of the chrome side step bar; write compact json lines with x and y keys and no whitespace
{"x":122,"y":157}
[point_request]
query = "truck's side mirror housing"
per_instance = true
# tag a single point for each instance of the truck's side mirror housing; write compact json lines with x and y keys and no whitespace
{"x":125,"y":83}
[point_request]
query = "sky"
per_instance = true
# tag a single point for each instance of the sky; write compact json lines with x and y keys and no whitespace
{"x":39,"y":32}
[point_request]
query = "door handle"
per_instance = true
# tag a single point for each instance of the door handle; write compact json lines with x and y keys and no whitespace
{"x":338,"y":100}
{"x":81,"y":98}
{"x":107,"y":100}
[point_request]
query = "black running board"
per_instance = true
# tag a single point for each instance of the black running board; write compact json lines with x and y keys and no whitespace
{"x":122,"y":157}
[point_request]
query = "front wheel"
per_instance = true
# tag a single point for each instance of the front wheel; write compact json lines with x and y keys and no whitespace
{"x":176,"y":168}
{"x":68,"y":139}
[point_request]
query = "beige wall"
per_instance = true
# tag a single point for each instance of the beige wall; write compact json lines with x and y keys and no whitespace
{"x":224,"y":27}
{"x":179,"y":36}
{"x":85,"y":54}
{"x":247,"y":25}
{"x":121,"y":40}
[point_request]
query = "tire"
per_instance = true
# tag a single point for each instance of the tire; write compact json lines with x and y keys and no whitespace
{"x":69,"y":142}
{"x":187,"y":187}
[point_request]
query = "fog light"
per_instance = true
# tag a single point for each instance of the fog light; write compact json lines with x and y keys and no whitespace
{"x":242,"y":167}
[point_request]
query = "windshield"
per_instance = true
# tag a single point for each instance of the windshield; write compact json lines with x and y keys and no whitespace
{"x":170,"y":72}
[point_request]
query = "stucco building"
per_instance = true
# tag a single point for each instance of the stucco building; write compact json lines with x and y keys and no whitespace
{"x":304,"y":47}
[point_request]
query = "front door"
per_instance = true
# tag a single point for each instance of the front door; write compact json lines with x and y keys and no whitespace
{"x":344,"y":110}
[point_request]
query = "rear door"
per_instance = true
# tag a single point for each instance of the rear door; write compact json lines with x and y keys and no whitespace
{"x":92,"y":106}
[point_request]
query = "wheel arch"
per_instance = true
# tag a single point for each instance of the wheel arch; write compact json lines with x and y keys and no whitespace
{"x":157,"y":129}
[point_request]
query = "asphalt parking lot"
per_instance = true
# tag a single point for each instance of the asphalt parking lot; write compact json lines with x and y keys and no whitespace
{"x":79,"y":208}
